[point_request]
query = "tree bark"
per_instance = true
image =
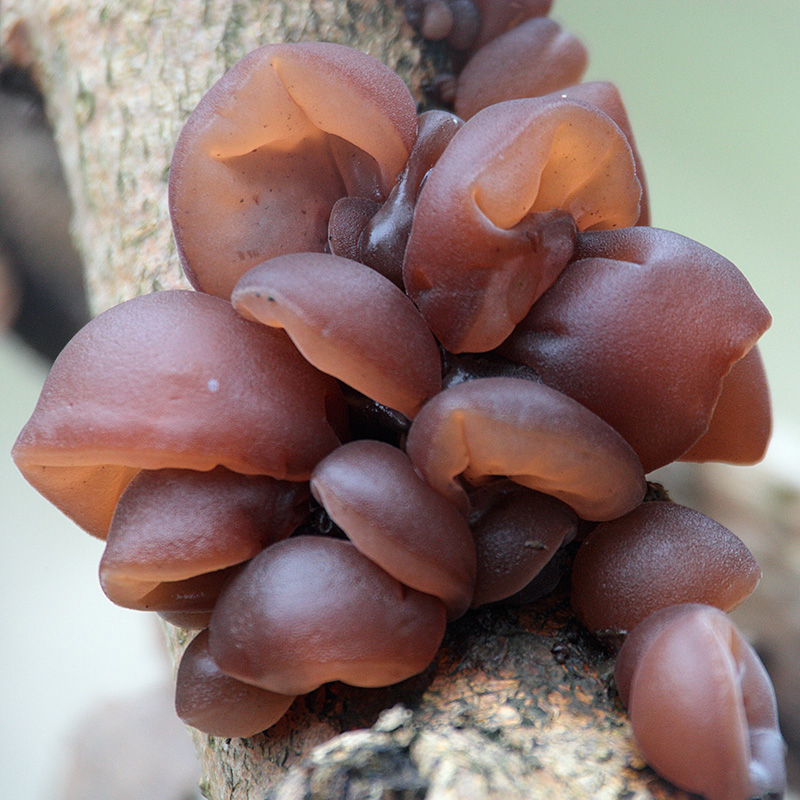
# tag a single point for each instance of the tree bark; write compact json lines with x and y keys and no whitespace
{"x":520,"y":703}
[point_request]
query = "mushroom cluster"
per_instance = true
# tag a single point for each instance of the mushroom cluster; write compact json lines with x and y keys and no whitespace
{"x":425,"y":355}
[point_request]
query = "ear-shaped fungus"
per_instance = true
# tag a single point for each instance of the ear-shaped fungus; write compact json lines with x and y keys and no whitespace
{"x":658,"y":555}
{"x":318,"y":610}
{"x":531,"y":60}
{"x":530,"y":433}
{"x":215,"y":703}
{"x":517,"y":531}
{"x":172,"y":525}
{"x":371,"y":491}
{"x":741,"y":424}
{"x":348,"y":321}
{"x":173,"y":379}
{"x":273,"y":145}
{"x":642,"y":328}
{"x":383,"y":240}
{"x":495,"y":221}
{"x":701,"y":705}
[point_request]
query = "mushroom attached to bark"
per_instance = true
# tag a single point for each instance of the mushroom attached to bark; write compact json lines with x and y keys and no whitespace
{"x":530,"y":433}
{"x":658,"y":555}
{"x":517,"y":532}
{"x":371,"y":491}
{"x":642,"y":327}
{"x":217,"y":704}
{"x":531,"y":60}
{"x":171,"y":525}
{"x":348,"y":321}
{"x":495,"y":221}
{"x":318,"y":610}
{"x":173,"y":379}
{"x":701,"y":705}
{"x":282,"y":136}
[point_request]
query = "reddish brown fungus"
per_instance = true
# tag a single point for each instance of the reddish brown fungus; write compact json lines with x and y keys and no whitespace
{"x":215,"y":703}
{"x":517,"y":531}
{"x":701,"y":705}
{"x":552,"y":59}
{"x":530,"y":433}
{"x":658,"y":555}
{"x":642,"y":328}
{"x":273,"y":145}
{"x":348,"y":321}
{"x":371,"y":491}
{"x":318,"y":610}
{"x":171,"y":525}
{"x":495,"y":221}
{"x":173,"y":380}
{"x":382,"y":243}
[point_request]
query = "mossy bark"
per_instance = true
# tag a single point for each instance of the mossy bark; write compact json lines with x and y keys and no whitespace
{"x":519,"y":702}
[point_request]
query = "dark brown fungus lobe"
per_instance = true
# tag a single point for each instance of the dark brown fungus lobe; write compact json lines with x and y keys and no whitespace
{"x":348,"y":321}
{"x":701,"y":705}
{"x":174,"y":379}
{"x":517,"y":531}
{"x":658,"y":555}
{"x":495,"y":221}
{"x":349,"y":217}
{"x":382,"y":244}
{"x":371,"y":491}
{"x":642,"y":328}
{"x":172,"y":525}
{"x":318,"y":610}
{"x":536,"y":58}
{"x":531,"y":434}
{"x":741,"y":424}
{"x":282,"y":136}
{"x":214,"y":703}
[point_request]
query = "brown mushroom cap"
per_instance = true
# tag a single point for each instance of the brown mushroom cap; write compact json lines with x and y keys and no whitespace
{"x":171,"y":525}
{"x":701,"y":705}
{"x":495,"y":221}
{"x":641,"y":328}
{"x":348,"y":321}
{"x":214,"y":703}
{"x":310,"y":610}
{"x":533,"y":59}
{"x":658,"y":555}
{"x":173,"y":379}
{"x":741,"y":424}
{"x":517,"y":531}
{"x":371,"y":491}
{"x":273,"y":145}
{"x":530,"y":433}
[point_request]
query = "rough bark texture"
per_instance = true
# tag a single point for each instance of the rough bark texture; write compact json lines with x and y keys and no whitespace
{"x":519,"y":703}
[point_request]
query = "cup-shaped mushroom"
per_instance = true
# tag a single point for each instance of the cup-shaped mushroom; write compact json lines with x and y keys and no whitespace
{"x":531,"y":60}
{"x":174,"y":379}
{"x":372,"y":492}
{"x":348,"y":321}
{"x":741,"y":424}
{"x":349,"y":217}
{"x":531,"y":434}
{"x":310,"y":610}
{"x":701,"y":705}
{"x":659,"y":555}
{"x":215,"y":703}
{"x":170,"y":525}
{"x":642,"y":327}
{"x":606,"y":97}
{"x":382,"y":243}
{"x":497,"y":18}
{"x":517,"y":531}
{"x":495,"y":221}
{"x":273,"y":145}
